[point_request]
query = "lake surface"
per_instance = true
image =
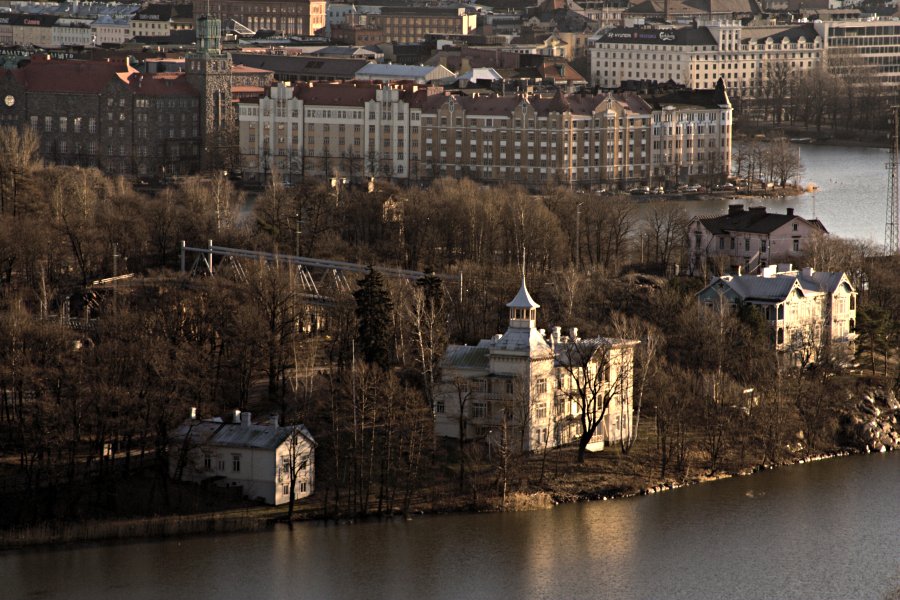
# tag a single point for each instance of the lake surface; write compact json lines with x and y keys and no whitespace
{"x":827,"y":530}
{"x":851,"y":198}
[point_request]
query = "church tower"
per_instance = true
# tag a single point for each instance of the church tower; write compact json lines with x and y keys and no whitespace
{"x":209,"y":71}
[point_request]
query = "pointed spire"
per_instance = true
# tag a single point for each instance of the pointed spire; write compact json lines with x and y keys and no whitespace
{"x":523,"y":299}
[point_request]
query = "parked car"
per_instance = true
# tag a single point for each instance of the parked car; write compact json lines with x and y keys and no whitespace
{"x":659,"y":190}
{"x":640,"y":190}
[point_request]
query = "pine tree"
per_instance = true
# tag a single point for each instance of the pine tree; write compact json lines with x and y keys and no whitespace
{"x":373,"y":314}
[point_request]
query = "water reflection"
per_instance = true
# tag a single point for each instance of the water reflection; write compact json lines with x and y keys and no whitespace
{"x":826,"y":530}
{"x":850,"y":199}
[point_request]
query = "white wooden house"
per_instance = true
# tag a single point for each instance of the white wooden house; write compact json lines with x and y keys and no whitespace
{"x":258,"y":457}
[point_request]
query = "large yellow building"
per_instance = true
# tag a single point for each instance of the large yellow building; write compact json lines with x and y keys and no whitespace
{"x":412,"y":132}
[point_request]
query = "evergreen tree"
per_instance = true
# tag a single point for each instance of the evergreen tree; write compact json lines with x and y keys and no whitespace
{"x":373,"y":314}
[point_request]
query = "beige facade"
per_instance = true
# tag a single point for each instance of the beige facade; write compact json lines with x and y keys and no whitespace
{"x":744,"y":57}
{"x":805,"y":309}
{"x":526,"y":384}
{"x":404,"y":25}
{"x":420,"y":133}
{"x":304,"y":18}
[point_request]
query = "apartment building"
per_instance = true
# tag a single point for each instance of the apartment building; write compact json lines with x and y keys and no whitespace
{"x":160,"y":20}
{"x":109,"y":115}
{"x":526,"y":383}
{"x":698,"y":56}
{"x":871,"y":48}
{"x":412,"y":132}
{"x":331,"y":129}
{"x":301,"y":18}
{"x":404,"y":24}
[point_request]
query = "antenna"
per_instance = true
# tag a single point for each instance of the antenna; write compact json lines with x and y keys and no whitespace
{"x":523,"y":262}
{"x":892,"y":218}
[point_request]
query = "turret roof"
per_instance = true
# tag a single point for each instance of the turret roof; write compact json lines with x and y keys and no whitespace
{"x":523,"y":299}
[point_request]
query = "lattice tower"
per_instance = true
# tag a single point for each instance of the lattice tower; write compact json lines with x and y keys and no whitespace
{"x":892,"y":216}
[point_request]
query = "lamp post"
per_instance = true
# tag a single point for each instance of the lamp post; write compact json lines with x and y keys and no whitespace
{"x":578,"y":235}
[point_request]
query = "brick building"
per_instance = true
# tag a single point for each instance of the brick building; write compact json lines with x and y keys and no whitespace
{"x":109,"y":115}
{"x":405,"y":24}
{"x":303,"y":17}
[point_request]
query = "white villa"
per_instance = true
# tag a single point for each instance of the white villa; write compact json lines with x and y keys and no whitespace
{"x":805,"y":307}
{"x":531,"y":382}
{"x":259,"y":457}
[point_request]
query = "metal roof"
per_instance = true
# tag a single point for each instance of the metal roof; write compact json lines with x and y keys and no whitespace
{"x":523,"y":299}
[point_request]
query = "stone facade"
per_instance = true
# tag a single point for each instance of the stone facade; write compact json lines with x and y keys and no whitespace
{"x":109,"y":115}
{"x":416,"y":133}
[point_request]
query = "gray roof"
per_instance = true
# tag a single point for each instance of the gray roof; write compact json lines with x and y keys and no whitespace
{"x":302,"y":66}
{"x":778,"y":287}
{"x":753,"y":220}
{"x":215,"y":432}
{"x":466,"y":357}
{"x":523,"y":299}
{"x":391,"y":71}
{"x":581,"y":351}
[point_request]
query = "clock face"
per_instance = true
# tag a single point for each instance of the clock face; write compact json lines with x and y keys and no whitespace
{"x":9,"y":101}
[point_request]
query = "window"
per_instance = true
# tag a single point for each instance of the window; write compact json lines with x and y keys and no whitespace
{"x":285,"y":489}
{"x":732,"y":243}
{"x":762,"y":245}
{"x":221,"y":465}
{"x":302,"y":487}
{"x":48,"y":124}
{"x":721,"y":243}
{"x":541,"y":387}
{"x":747,"y":244}
{"x":207,"y":462}
{"x":540,"y":411}
{"x":285,"y":464}
{"x":794,"y":227}
{"x":796,"y":245}
{"x":439,"y":407}
{"x":236,"y":463}
{"x":479,"y":410}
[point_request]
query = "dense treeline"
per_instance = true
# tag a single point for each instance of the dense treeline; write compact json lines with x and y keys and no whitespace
{"x":846,"y":96}
{"x":93,"y":378}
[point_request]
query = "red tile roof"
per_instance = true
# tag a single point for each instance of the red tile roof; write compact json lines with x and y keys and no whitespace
{"x":161,"y":84}
{"x":70,"y":76}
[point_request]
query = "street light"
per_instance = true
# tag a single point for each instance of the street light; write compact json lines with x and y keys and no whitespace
{"x":578,"y":235}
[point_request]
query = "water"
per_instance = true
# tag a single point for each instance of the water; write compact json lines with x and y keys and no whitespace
{"x":850,"y":200}
{"x":825,"y":530}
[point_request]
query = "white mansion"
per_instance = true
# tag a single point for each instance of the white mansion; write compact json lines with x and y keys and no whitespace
{"x":532,"y":383}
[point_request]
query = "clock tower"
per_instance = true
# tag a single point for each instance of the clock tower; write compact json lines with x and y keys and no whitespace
{"x":209,"y":71}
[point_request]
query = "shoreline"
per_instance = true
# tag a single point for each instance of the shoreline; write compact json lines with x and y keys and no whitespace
{"x":244,"y":521}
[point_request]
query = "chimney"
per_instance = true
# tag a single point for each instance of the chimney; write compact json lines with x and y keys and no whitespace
{"x":790,"y":212}
{"x":557,"y":334}
{"x":573,"y":333}
{"x":193,"y":413}
{"x":735,"y":209}
{"x":237,"y":416}
{"x":807,"y":272}
{"x":245,"y":419}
